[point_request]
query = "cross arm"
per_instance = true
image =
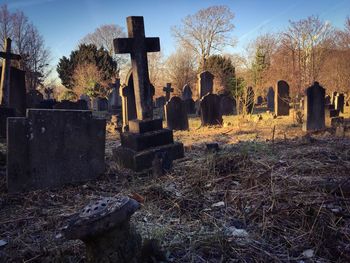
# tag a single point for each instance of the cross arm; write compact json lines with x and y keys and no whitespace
{"x":123,"y":45}
{"x":12,"y":56}
{"x":152,"y":44}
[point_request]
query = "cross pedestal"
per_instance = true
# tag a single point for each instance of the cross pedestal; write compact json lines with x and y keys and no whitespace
{"x":146,"y":137}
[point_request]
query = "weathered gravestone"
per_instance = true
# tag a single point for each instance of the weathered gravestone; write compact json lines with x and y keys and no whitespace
{"x":330,"y":114}
{"x":146,"y":137}
{"x":270,"y":99}
{"x":33,"y":98}
{"x":176,"y":114}
{"x":205,"y":84}
{"x":259,"y":100}
{"x":186,"y":92}
{"x":128,"y":101}
{"x":250,"y":100}
{"x":49,"y":148}
{"x":339,"y":102}
{"x":87,"y":99}
{"x":168,"y":89}
{"x":227,"y":105}
{"x":333,"y":95}
{"x":12,"y":88}
{"x":327,"y":100}
{"x":314,"y":108}
{"x":114,"y":100}
{"x":210,"y":110}
{"x":282,"y":98}
{"x":160,"y":102}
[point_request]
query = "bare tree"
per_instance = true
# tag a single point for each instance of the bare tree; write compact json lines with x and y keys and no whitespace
{"x":103,"y":37}
{"x":27,"y":42}
{"x":206,"y":31}
{"x":180,"y":68}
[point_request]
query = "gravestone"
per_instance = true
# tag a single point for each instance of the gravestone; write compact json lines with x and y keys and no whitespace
{"x":205,"y":84}
{"x":330,"y":113}
{"x":250,"y":100}
{"x":46,"y":104}
{"x":160,"y":102}
{"x":87,"y":99}
{"x":186,"y":92}
{"x":146,"y":137}
{"x":168,"y":89}
{"x":114,"y":100}
{"x":33,"y":98}
{"x":339,"y":102}
{"x":333,"y":95}
{"x":314,"y":108}
{"x":282,"y":98}
{"x":176,"y":114}
{"x":227,"y":105}
{"x":210,"y":110}
{"x":102,"y":104}
{"x":259,"y":100}
{"x":270,"y":99}
{"x":190,"y":106}
{"x":49,"y":148}
{"x":128,"y":101}
{"x":327,"y":100}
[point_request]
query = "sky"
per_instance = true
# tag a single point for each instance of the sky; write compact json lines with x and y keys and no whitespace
{"x":64,"y":22}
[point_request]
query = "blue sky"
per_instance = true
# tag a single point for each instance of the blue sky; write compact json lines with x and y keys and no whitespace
{"x":64,"y":22}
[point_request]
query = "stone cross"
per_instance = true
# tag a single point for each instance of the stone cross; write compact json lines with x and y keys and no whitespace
{"x":6,"y":69}
{"x":138,"y":46}
{"x":167,"y":91}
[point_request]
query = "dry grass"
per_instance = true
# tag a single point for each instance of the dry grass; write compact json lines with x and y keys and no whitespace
{"x":274,"y":201}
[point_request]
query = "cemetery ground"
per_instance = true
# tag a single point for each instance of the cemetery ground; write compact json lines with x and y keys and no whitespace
{"x":272,"y":193}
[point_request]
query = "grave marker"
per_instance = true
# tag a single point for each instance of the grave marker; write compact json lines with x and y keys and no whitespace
{"x":176,"y":114}
{"x":270,"y":99}
{"x":205,"y":84}
{"x":282,"y":98}
{"x":168,"y":89}
{"x":210,"y":110}
{"x":314,"y":108}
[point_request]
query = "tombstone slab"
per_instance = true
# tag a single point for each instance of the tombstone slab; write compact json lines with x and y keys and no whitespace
{"x":270,"y":99}
{"x":176,"y":114}
{"x":314,"y":108}
{"x":49,"y":148}
{"x":339,"y":102}
{"x":205,"y":83}
{"x":190,"y":106}
{"x":210,"y":110}
{"x":227,"y":105}
{"x":186,"y":92}
{"x":282,"y":98}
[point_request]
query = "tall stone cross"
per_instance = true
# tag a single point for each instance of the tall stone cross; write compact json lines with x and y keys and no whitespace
{"x":138,"y":46}
{"x":167,"y":91}
{"x":6,"y":71}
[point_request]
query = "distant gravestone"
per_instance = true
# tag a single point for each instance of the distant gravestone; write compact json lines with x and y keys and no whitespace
{"x":71,"y":105}
{"x":114,"y":100}
{"x":176,"y":114}
{"x":333,"y":95}
{"x":33,"y":98}
{"x":227,"y":105}
{"x":210,"y":110}
{"x":190,"y":106}
{"x":186,"y":92}
{"x":168,"y":89}
{"x":330,"y":113}
{"x":314,"y":108}
{"x":205,"y":83}
{"x":46,"y":104}
{"x":160,"y":102}
{"x":327,"y":100}
{"x":250,"y":100}
{"x":270,"y":99}
{"x":259,"y":100}
{"x":102,"y":104}
{"x":49,"y":148}
{"x":339,"y":102}
{"x":128,"y":101}
{"x":282,"y":98}
{"x":87,"y":99}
